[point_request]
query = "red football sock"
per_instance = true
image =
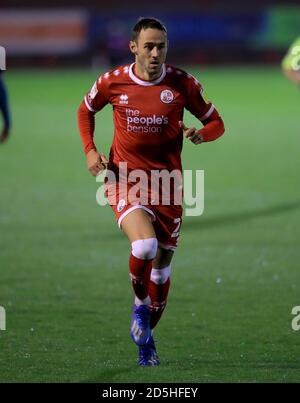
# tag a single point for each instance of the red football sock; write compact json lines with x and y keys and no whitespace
{"x":158,"y":294}
{"x":140,"y":271}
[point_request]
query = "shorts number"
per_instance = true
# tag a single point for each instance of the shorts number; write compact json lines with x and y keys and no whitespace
{"x":175,"y":233}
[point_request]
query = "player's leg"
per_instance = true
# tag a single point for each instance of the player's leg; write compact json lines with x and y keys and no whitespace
{"x":167,"y":228}
{"x":158,"y":291}
{"x":159,"y":284}
{"x":137,"y":225}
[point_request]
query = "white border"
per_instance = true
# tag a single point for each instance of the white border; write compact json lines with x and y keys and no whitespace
{"x":208,"y":113}
{"x":134,"y":208}
{"x":146,"y":83}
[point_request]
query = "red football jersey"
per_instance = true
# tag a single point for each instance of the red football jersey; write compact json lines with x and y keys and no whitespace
{"x":146,"y":114}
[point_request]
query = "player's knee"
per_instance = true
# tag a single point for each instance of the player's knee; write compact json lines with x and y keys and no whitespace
{"x":160,"y":276}
{"x":145,"y":249}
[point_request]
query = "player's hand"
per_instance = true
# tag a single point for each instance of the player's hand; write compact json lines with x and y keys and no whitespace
{"x":4,"y":135}
{"x":191,"y":134}
{"x":96,"y":162}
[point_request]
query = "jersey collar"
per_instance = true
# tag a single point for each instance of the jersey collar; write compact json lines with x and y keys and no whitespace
{"x":146,"y":83}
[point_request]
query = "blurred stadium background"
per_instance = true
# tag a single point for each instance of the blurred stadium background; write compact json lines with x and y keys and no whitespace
{"x":63,"y":262}
{"x":258,"y":32}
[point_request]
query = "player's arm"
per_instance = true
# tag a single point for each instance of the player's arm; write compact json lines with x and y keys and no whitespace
{"x":205,"y":111}
{"x":93,"y":102}
{"x":291,"y":63}
{"x":292,"y":75}
{"x":213,"y":129}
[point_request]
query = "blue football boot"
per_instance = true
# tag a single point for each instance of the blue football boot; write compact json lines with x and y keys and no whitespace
{"x":140,"y":331}
{"x":148,"y":355}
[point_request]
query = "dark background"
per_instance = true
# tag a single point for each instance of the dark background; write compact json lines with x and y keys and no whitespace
{"x":216,"y":33}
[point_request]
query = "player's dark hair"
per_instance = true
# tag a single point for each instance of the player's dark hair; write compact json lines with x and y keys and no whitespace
{"x":144,"y":23}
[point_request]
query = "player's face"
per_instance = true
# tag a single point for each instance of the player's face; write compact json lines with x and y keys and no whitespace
{"x":150,"y":51}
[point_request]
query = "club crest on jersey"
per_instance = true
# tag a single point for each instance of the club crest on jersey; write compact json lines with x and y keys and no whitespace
{"x":121,"y":205}
{"x":123,"y":99}
{"x":166,"y":96}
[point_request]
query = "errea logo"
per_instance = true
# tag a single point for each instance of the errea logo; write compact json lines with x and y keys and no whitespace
{"x":124,"y":99}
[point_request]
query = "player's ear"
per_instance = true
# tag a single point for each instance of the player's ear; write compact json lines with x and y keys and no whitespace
{"x":133,"y":47}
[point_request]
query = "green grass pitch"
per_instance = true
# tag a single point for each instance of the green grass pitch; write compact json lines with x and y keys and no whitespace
{"x":63,"y":262}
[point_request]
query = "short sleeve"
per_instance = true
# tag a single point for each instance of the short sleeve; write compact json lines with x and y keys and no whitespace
{"x":196,"y":101}
{"x":98,"y":96}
